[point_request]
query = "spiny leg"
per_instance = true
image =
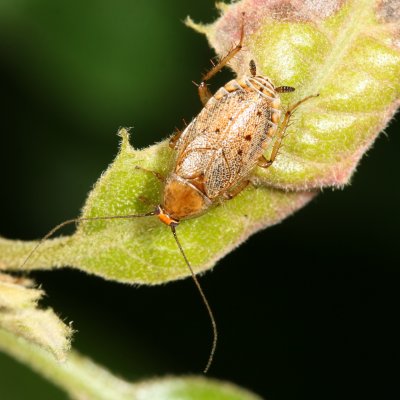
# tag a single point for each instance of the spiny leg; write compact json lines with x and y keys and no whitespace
{"x":204,"y":92}
{"x":263,"y":162}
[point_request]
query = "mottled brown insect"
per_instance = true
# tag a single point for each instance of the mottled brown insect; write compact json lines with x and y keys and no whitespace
{"x":217,"y":152}
{"x":220,"y":148}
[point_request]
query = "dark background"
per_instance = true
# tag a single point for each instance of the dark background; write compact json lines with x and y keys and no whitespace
{"x":306,"y":310}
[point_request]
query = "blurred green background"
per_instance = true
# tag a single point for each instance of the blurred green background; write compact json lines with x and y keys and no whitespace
{"x":306,"y":310}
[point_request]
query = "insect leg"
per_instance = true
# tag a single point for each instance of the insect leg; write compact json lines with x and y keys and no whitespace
{"x":160,"y":177}
{"x":204,"y":92}
{"x":236,"y":190}
{"x":263,"y":162}
{"x":174,"y":139}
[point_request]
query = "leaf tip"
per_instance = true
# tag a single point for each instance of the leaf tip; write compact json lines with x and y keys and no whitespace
{"x":124,"y":134}
{"x":198,"y":27}
{"x":21,"y":316}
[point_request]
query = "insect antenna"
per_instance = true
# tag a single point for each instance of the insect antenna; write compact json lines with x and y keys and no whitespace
{"x":129,"y":216}
{"x":74,"y":221}
{"x":205,"y":301}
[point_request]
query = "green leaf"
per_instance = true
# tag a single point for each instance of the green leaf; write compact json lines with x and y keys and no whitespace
{"x":143,"y":250}
{"x":193,"y":388}
{"x":347,"y":52}
{"x":20,"y":315}
{"x":81,"y":378}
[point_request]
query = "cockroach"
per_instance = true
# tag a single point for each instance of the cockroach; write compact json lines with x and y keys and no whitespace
{"x":216,"y":154}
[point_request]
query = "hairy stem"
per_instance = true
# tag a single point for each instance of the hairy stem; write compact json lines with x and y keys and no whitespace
{"x":82,"y":379}
{"x":79,"y":376}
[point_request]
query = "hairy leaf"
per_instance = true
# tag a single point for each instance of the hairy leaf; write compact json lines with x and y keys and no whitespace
{"x":143,"y":250}
{"x":348,"y":52}
{"x":20,"y":315}
{"x":82,"y":379}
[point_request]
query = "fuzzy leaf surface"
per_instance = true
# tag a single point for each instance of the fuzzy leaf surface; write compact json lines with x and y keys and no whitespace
{"x":348,"y":52}
{"x":21,"y":316}
{"x":143,"y":250}
{"x":82,"y":378}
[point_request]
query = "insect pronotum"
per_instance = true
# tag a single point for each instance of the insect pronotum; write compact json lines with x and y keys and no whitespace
{"x":216,"y":153}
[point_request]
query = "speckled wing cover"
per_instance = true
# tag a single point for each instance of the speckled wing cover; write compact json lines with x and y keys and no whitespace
{"x":224,"y":142}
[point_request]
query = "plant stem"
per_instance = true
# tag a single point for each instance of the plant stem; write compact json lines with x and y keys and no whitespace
{"x":80,"y":377}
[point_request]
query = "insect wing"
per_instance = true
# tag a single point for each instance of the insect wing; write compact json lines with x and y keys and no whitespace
{"x":224,"y":142}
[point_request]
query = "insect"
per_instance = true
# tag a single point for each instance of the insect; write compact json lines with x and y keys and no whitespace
{"x":216,"y":153}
